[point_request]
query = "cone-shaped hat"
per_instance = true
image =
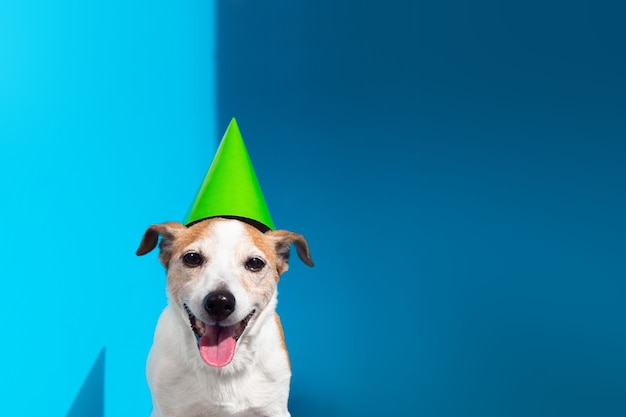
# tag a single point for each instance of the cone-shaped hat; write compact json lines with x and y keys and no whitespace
{"x":230,"y":188}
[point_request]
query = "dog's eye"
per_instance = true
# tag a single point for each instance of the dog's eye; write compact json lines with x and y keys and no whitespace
{"x":193,"y":259}
{"x":254,"y":264}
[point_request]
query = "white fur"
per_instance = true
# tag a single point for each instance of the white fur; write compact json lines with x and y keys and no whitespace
{"x":256,"y":382}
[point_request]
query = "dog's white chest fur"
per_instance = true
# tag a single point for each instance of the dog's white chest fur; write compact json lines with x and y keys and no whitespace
{"x":186,"y":386}
{"x":218,"y":348}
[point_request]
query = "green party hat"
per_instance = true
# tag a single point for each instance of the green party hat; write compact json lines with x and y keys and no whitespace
{"x":230,"y":188}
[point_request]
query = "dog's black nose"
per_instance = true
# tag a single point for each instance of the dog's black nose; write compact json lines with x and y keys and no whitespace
{"x":219,"y":304}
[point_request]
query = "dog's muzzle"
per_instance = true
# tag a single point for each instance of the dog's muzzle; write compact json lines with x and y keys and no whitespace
{"x":216,"y":342}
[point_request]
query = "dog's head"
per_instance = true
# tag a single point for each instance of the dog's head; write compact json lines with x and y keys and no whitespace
{"x":222,"y":274}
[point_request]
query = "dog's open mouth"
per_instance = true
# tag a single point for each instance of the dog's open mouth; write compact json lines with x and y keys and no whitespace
{"x":217,"y":343}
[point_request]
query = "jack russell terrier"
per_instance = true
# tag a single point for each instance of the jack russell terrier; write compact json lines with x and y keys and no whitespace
{"x":219,"y":348}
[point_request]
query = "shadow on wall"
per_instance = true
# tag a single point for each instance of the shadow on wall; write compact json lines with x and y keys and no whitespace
{"x":303,"y":403}
{"x":90,"y":398}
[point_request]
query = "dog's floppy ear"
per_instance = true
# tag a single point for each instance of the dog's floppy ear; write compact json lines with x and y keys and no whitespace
{"x":282,"y":241}
{"x":168,"y":232}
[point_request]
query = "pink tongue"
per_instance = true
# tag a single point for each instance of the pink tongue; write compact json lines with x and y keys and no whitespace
{"x":217,"y":346}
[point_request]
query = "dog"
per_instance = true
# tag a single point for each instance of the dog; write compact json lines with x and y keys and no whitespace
{"x":219,"y":348}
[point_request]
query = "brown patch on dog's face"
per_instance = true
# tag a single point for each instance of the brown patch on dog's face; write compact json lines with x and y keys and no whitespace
{"x":192,"y":234}
{"x":175,"y":237}
{"x":178,"y":275}
{"x":261,"y":283}
{"x":266,"y":245}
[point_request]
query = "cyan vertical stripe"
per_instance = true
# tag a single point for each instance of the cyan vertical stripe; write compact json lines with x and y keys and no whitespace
{"x":107,"y":124}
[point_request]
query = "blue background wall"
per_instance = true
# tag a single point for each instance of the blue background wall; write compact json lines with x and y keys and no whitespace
{"x":458,"y":169}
